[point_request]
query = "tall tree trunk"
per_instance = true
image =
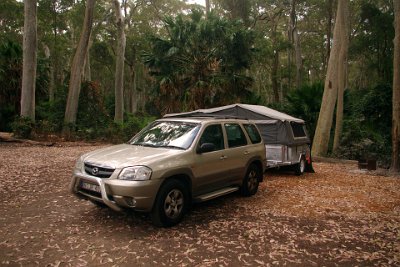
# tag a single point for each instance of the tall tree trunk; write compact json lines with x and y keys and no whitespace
{"x":324,"y":124}
{"x":74,"y":87}
{"x":329,"y":9}
{"x":274,"y":77}
{"x":29,"y":60}
{"x":299,"y":60}
{"x":291,"y":25}
{"x":295,"y":41}
{"x":134,"y":94}
{"x":48,"y":56}
{"x":87,"y":74}
{"x":54,"y":56}
{"x":342,"y":75}
{"x":395,"y":164}
{"x":120,"y":61}
{"x":208,"y":7}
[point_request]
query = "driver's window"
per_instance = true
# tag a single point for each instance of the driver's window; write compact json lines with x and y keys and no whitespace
{"x":213,"y":134}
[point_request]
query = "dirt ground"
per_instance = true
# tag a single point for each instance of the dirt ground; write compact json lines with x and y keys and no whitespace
{"x":338,"y":216}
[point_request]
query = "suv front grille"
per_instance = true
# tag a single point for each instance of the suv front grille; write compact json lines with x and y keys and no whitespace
{"x":97,"y":171}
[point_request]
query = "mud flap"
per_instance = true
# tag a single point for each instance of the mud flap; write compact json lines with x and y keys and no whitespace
{"x":309,"y":167}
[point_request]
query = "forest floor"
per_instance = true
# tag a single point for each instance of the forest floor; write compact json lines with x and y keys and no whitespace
{"x":338,"y":216}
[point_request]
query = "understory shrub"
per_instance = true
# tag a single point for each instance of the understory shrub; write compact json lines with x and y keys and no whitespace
{"x":22,"y":127}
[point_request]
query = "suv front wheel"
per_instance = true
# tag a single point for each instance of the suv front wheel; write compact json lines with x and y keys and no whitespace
{"x":251,"y":180}
{"x":171,"y":204}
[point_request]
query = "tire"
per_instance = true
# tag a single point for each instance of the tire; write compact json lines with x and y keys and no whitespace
{"x":251,"y":181}
{"x":301,"y":166}
{"x":171,"y":204}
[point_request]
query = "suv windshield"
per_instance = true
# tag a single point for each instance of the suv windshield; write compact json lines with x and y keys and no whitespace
{"x":169,"y":134}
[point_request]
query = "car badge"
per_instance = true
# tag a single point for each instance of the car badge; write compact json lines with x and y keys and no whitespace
{"x":95,"y":171}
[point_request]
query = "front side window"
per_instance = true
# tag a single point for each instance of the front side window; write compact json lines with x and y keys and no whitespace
{"x":213,"y":134}
{"x":253,"y":133}
{"x":168,"y":134}
{"x":235,"y":135}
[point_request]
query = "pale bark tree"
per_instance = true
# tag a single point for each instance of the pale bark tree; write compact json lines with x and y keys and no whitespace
{"x":337,"y":55}
{"x":329,"y":9}
{"x":294,"y":39}
{"x":87,"y":73}
{"x":119,"y":69}
{"x":29,"y":60}
{"x":208,"y":7}
{"x":342,"y":76}
{"x":395,"y":164}
{"x":77,"y":65}
{"x":47,"y":54}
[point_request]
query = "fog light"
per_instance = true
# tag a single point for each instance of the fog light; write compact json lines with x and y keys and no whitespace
{"x":130,"y":201}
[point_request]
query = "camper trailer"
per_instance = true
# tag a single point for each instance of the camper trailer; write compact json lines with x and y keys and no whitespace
{"x":285,"y":137}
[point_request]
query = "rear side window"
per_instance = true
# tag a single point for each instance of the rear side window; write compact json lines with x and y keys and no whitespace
{"x":298,"y":130}
{"x":252,"y":132}
{"x":235,"y":135}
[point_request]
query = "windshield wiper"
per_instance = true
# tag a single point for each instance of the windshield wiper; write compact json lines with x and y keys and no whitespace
{"x":176,"y":147}
{"x":157,"y":146}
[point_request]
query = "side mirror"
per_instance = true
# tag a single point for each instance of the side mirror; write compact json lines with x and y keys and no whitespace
{"x":206,"y":147}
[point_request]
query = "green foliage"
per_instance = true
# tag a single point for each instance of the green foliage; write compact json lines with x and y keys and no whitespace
{"x":22,"y":127}
{"x":122,"y":132}
{"x":92,"y":118}
{"x":367,"y":127}
{"x":373,"y":42}
{"x":201,"y":62}
{"x":10,"y":82}
{"x":305,"y":103}
{"x":11,"y":20}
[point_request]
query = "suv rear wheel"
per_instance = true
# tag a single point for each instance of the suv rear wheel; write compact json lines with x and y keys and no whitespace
{"x":251,"y":180}
{"x":171,"y":204}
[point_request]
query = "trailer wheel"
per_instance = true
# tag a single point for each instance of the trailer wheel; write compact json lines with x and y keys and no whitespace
{"x":301,"y":166}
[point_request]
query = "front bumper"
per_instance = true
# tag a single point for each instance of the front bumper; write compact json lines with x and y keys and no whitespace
{"x":117,"y":194}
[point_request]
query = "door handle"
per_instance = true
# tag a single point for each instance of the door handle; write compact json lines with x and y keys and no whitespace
{"x":246,"y":152}
{"x":223,"y":157}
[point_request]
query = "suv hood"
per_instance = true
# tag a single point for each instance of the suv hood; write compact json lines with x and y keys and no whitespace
{"x":124,"y":155}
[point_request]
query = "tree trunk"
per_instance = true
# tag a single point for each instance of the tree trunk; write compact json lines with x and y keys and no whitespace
{"x":48,"y":56}
{"x":324,"y":124}
{"x":328,"y":30}
{"x":274,"y":77}
{"x":295,"y":41}
{"x":120,"y":61}
{"x":299,"y":60}
{"x":74,"y":87}
{"x":291,"y":25}
{"x":29,"y":60}
{"x":208,"y":7}
{"x":395,"y":164}
{"x":87,"y":74}
{"x":342,"y":75}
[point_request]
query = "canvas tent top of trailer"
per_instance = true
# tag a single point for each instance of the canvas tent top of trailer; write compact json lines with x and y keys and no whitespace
{"x":285,"y":137}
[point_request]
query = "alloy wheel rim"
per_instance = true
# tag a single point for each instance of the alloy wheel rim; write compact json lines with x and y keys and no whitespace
{"x":173,"y":204}
{"x":252,"y":180}
{"x":302,"y":166}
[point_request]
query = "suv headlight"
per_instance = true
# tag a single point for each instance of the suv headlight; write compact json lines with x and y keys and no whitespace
{"x":135,"y":173}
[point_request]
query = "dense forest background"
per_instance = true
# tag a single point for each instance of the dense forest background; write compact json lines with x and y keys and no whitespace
{"x":147,"y":58}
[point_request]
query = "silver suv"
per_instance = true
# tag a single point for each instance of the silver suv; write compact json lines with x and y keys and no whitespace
{"x":172,"y":163}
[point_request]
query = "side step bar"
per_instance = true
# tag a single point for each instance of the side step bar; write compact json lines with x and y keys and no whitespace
{"x":215,"y":194}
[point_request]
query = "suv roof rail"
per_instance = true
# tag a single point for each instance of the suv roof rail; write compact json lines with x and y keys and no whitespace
{"x":204,"y":115}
